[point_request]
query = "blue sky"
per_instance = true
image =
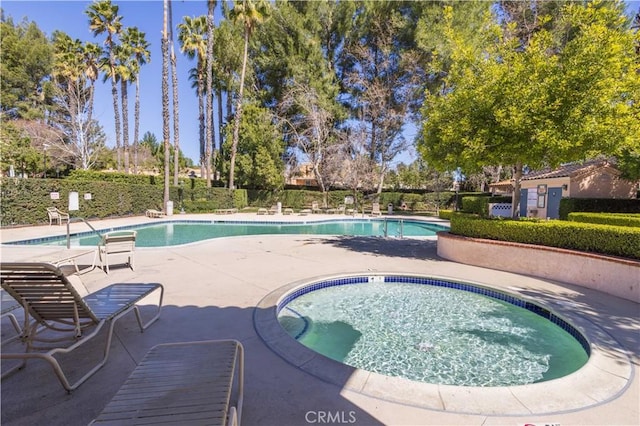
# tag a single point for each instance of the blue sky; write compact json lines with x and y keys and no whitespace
{"x":69,"y":16}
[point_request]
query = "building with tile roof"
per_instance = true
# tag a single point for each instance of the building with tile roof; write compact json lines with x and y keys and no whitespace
{"x":541,"y":190}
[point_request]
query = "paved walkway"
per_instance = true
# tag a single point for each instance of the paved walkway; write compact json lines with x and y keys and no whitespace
{"x":213,"y":288}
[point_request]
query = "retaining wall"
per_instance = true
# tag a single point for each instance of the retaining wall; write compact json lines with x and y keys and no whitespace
{"x":613,"y":275}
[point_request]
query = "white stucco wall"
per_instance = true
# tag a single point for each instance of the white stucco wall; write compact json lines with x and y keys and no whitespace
{"x":612,"y":275}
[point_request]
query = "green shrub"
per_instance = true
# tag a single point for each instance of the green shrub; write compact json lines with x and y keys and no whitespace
{"x":598,"y":205}
{"x":480,"y":204}
{"x":445,"y":214}
{"x":605,"y":239}
{"x":624,"y":219}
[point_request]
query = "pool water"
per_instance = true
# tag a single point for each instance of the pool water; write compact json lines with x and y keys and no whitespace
{"x":176,"y":233}
{"x":432,"y":334}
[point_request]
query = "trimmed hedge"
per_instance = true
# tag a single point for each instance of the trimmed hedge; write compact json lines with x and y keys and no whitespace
{"x":24,"y":201}
{"x":624,"y":219}
{"x":302,"y":198}
{"x":598,"y":205}
{"x":604,"y":239}
{"x":480,"y":204}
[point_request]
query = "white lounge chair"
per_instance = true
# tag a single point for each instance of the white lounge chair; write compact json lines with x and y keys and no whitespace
{"x":186,"y":383}
{"x":50,"y":301}
{"x":154,"y":213}
{"x":117,"y":243}
{"x":56,"y":215}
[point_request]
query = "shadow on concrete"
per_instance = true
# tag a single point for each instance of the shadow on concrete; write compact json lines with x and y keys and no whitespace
{"x":276,"y":393}
{"x":390,"y":247}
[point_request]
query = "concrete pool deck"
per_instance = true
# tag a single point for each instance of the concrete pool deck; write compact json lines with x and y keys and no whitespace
{"x":213,"y":290}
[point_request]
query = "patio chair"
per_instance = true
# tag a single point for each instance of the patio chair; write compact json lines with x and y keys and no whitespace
{"x":262,"y":210}
{"x":375,"y":209}
{"x":117,"y":243}
{"x":153,"y":213}
{"x":51,"y":302}
{"x":315,"y":208}
{"x":273,"y":209}
{"x":56,"y":215}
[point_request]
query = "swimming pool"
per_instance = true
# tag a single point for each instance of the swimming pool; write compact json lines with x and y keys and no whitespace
{"x":172,"y":233}
{"x":433,"y":330}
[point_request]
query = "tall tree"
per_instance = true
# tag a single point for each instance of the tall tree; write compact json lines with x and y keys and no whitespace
{"x":211,"y":4}
{"x":26,"y":57}
{"x":562,"y":97}
{"x":378,"y":69}
{"x":72,"y":136}
{"x":310,"y":126}
{"x":124,"y":74}
{"x":104,"y":18}
{"x":259,"y":150}
{"x":227,"y":52}
{"x":248,"y":14}
{"x":140,"y":55}
{"x":91,"y":59}
{"x":193,"y":42}
{"x":165,"y":100}
{"x":176,"y":107}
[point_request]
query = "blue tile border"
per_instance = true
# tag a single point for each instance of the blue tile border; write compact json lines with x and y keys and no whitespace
{"x":473,"y":288}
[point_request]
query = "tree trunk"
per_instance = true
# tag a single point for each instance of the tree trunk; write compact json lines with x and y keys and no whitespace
{"x":136,"y":126}
{"x":209,"y":111}
{"x":515,"y":202}
{"x":220,"y":121}
{"x":213,"y":140}
{"x":165,"y":105}
{"x":176,"y":110}
{"x":116,"y":113}
{"x":236,"y":121}
{"x":381,"y":179}
{"x":201,"y":128}
{"x":125,"y":123}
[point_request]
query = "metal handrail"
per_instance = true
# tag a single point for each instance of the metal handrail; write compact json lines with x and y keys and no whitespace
{"x":78,"y":219}
{"x":400,"y":231}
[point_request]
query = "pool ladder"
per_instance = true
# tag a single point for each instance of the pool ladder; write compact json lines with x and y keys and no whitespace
{"x":79,"y":219}
{"x":399,"y":231}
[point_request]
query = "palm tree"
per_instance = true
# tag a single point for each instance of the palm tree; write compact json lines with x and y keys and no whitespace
{"x":193,"y":42}
{"x":249,"y":15}
{"x":124,"y":73}
{"x":135,"y":39}
{"x":211,"y":4}
{"x":91,"y":59}
{"x":165,"y":102}
{"x":104,"y":18}
{"x":176,"y":110}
